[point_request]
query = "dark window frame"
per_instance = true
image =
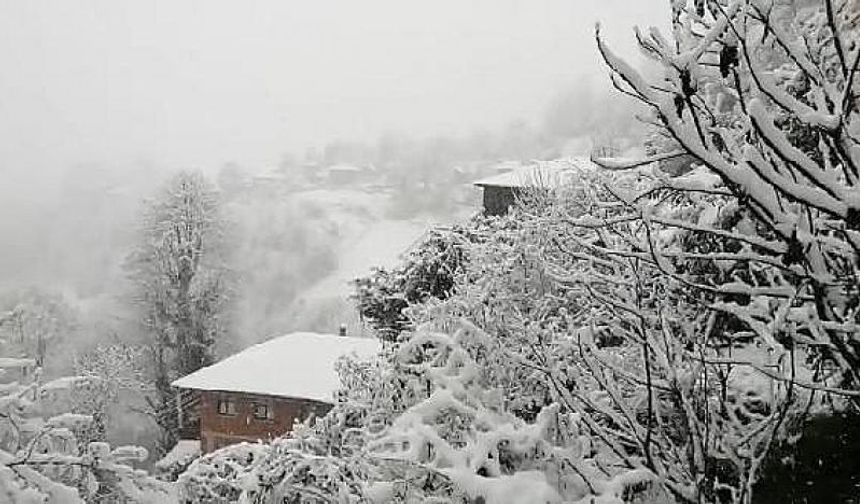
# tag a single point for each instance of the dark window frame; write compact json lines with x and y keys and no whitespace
{"x":268,"y":416}
{"x":229,"y":406}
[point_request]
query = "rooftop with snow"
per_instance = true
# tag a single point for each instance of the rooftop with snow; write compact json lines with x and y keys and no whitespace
{"x":298,"y":365}
{"x":541,"y":174}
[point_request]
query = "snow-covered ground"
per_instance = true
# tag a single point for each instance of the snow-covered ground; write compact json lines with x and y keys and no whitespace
{"x":366,"y":238}
{"x":378,"y":244}
{"x":301,"y":251}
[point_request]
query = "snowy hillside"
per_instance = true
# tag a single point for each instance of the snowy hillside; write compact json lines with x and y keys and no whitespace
{"x":300,"y":253}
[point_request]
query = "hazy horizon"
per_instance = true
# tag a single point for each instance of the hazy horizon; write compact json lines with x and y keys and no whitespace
{"x":197,"y":84}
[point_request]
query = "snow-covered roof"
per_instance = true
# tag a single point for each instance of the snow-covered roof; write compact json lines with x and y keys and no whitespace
{"x":344,"y":167}
{"x":299,"y":365}
{"x":545,"y":174}
{"x":271,"y":173}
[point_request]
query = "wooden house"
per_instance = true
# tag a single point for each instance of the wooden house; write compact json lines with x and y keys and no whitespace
{"x":258,"y":393}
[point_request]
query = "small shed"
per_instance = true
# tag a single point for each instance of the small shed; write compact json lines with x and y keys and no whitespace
{"x":502,"y":191}
{"x":258,"y":393}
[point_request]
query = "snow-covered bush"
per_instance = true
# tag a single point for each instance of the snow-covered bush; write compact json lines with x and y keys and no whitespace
{"x":177,"y":460}
{"x":503,"y":289}
{"x":428,"y":272}
{"x":40,"y":460}
{"x":463,"y":435}
{"x":221,"y":476}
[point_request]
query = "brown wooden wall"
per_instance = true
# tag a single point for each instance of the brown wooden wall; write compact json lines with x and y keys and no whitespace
{"x":218,"y":430}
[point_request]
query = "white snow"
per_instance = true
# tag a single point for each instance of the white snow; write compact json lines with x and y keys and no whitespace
{"x":13,"y":363}
{"x":523,"y":487}
{"x":184,"y":450}
{"x":298,"y":365}
{"x":380,"y":244}
{"x":544,"y":174}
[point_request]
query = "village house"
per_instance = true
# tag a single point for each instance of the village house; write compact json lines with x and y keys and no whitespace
{"x":343,"y":174}
{"x":258,"y":393}
{"x":272,"y":182}
{"x":502,"y":191}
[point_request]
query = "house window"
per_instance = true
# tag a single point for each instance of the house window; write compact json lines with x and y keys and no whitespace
{"x":262,"y":411}
{"x":226,"y":407}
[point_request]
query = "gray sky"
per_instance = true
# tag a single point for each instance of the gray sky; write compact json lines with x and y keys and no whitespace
{"x":195,"y":83}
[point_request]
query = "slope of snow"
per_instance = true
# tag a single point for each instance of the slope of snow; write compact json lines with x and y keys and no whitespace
{"x":377,"y":244}
{"x":364,"y":236}
{"x":299,"y":365}
{"x":344,"y":233}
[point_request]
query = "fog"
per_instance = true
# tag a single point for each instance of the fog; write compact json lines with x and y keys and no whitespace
{"x":101,"y":100}
{"x":196,"y":83}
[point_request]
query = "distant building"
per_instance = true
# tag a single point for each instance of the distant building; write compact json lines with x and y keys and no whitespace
{"x":258,"y":393}
{"x":311,"y":172}
{"x":345,"y":174}
{"x":272,"y":182}
{"x":503,"y":190}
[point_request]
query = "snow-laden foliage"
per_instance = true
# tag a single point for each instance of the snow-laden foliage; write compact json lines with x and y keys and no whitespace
{"x":109,"y":371}
{"x":178,"y":459}
{"x":694,"y":393}
{"x":763,"y":96}
{"x":427,"y":272}
{"x":463,"y":436}
{"x":38,"y":324}
{"x":40,"y":458}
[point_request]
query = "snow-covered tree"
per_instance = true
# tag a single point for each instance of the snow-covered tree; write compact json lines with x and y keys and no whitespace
{"x":728,"y":294}
{"x":679,"y":387}
{"x":110,"y":371}
{"x":182,"y":287}
{"x":36,"y":324}
{"x":762,"y":95}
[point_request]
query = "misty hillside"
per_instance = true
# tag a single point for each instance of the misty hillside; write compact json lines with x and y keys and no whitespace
{"x":301,"y":250}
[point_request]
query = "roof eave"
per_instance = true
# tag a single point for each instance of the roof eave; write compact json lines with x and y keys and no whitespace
{"x":267,"y":394}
